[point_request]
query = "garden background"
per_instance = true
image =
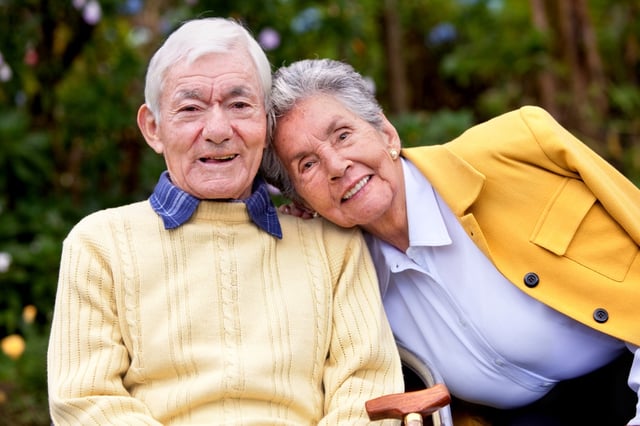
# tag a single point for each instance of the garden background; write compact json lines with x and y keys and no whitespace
{"x":71,"y":80}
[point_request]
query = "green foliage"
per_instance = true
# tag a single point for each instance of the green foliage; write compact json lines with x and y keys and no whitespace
{"x":422,"y":128}
{"x":23,"y":382}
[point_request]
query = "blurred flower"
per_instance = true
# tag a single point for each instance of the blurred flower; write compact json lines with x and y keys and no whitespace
{"x":3,"y":397}
{"x":269,"y":39}
{"x":21,"y":98}
{"x":92,"y":12}
{"x":5,"y":72}
{"x":307,"y":20}
{"x":13,"y":346}
{"x":139,"y":36}
{"x":29,"y":313}
{"x":5,"y":261}
{"x":131,"y":7}
{"x":31,"y":56}
{"x":78,"y":4}
{"x":442,"y":33}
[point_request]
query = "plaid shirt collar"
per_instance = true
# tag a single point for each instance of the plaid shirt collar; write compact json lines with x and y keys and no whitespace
{"x":176,"y":207}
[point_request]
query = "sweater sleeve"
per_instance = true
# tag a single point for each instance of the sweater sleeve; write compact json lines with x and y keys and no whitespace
{"x":87,"y":358}
{"x":363,"y":360}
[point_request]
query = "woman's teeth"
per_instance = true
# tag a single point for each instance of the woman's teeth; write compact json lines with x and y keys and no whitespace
{"x":356,"y":188}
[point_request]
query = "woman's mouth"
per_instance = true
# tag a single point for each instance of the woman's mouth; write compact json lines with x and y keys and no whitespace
{"x":357,"y":187}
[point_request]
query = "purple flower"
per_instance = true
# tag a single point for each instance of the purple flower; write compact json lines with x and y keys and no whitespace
{"x":269,"y":39}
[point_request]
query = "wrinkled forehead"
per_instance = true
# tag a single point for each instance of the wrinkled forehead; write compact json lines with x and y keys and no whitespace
{"x":231,"y":72}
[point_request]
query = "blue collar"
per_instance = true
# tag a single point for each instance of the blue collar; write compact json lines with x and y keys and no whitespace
{"x":175,"y":206}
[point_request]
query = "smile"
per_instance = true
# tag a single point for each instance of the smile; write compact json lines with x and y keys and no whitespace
{"x":357,"y":187}
{"x":221,"y":158}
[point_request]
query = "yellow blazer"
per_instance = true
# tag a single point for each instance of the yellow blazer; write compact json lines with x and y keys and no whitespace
{"x":555,"y":219}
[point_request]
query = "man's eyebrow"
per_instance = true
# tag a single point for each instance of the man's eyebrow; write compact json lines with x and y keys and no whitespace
{"x":188,"y":94}
{"x":231,"y":92}
{"x":240,"y":91}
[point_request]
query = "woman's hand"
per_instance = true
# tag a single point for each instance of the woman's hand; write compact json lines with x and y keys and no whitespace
{"x":295,"y":209}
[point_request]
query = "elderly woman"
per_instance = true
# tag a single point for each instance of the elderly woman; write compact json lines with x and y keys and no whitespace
{"x":507,"y":258}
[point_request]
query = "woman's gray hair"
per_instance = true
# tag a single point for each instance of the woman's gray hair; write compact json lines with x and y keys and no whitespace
{"x":196,"y":38}
{"x":304,"y":79}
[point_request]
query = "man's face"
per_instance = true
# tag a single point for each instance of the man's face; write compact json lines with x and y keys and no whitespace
{"x":212,"y":125}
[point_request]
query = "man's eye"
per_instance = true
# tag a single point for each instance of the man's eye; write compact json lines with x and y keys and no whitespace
{"x":188,"y":108}
{"x":239,"y":105}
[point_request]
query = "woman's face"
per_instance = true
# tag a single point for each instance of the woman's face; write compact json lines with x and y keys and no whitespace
{"x":339,"y":163}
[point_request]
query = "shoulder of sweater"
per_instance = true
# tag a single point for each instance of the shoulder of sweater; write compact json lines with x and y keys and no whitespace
{"x":319,"y":226}
{"x":95,"y":221}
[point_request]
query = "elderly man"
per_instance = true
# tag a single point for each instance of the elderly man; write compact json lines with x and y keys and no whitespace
{"x":190,"y":308}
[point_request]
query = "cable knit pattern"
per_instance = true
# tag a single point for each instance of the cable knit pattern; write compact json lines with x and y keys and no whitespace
{"x":216,"y":322}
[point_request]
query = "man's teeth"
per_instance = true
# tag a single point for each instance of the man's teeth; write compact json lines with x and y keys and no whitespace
{"x":223,"y":158}
{"x":356,"y":188}
{"x":228,"y":157}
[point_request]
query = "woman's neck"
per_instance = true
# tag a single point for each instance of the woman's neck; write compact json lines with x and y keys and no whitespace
{"x":393,"y":226}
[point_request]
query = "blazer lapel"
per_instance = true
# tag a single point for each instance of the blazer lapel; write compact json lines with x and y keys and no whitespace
{"x":457,"y":182}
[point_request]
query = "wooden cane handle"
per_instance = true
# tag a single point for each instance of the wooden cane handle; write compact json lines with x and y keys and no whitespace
{"x":396,"y":406}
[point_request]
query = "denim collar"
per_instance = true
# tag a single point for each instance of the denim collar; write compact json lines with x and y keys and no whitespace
{"x":176,"y":206}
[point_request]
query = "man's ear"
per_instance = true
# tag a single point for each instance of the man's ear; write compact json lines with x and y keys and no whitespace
{"x":149,"y":128}
{"x":390,"y":135}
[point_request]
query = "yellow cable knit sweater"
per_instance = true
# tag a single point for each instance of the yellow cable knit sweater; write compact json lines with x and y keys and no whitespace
{"x":216,"y":322}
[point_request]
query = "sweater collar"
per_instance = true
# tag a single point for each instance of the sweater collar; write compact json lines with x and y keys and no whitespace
{"x":176,"y":206}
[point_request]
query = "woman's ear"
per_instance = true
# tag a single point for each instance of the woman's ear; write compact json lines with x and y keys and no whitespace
{"x":148,"y":126}
{"x":390,"y":135}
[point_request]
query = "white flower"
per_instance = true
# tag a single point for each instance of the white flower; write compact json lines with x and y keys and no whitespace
{"x":92,"y":12}
{"x":5,"y":261}
{"x":5,"y":72}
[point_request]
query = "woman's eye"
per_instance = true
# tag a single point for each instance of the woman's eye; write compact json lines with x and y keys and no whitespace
{"x":306,"y":165}
{"x":342,"y":136}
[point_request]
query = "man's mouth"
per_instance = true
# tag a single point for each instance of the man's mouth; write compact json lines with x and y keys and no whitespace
{"x":222,"y":158}
{"x":357,"y":187}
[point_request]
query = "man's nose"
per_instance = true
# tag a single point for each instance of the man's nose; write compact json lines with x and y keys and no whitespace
{"x":217,"y":127}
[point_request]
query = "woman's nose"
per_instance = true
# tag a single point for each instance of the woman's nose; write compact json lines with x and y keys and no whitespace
{"x":337,"y":166}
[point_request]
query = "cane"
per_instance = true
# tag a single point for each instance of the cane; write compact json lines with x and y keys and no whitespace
{"x":410,"y":407}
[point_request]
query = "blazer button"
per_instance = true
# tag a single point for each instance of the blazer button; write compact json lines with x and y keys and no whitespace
{"x":600,"y":315}
{"x":531,"y":279}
